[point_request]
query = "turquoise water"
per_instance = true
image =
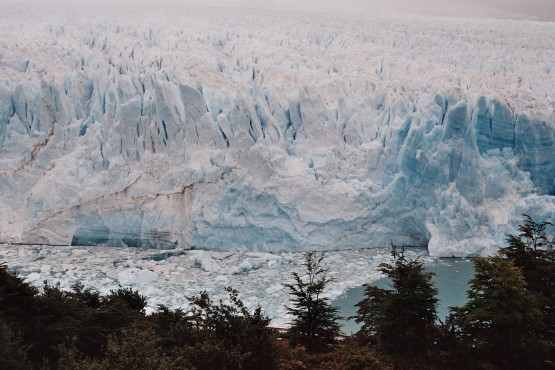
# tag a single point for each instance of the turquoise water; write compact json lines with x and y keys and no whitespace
{"x":451,"y":279}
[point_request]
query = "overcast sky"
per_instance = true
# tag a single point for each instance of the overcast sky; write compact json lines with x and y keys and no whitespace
{"x":514,"y":9}
{"x":542,"y":10}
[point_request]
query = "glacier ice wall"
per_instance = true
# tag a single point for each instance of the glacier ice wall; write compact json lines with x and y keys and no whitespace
{"x":225,"y":128}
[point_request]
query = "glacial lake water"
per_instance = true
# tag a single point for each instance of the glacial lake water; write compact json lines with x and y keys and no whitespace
{"x":451,"y":279}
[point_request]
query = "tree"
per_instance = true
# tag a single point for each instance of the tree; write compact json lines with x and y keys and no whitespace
{"x":534,"y":233}
{"x":240,"y":337}
{"x":499,"y":326}
{"x":533,"y":253}
{"x":135,"y":347}
{"x":314,"y":322}
{"x":13,"y":353}
{"x":400,"y":320}
{"x":43,"y":319}
{"x":217,"y":335}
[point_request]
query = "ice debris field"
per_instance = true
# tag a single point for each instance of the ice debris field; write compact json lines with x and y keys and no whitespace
{"x":169,"y":277}
{"x":238,"y":128}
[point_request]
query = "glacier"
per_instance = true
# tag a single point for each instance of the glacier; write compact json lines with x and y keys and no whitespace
{"x":245,"y":128}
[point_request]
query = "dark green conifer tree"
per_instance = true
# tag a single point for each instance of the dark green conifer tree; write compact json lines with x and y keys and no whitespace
{"x":532,"y":252}
{"x":499,"y":326}
{"x":400,"y":320}
{"x":314,"y":324}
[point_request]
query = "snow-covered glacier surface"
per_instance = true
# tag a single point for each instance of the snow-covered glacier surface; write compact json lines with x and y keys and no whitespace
{"x":181,"y":126}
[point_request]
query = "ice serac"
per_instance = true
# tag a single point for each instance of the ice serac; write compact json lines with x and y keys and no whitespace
{"x":221,"y":137}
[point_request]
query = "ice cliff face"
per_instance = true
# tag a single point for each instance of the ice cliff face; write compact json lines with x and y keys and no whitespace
{"x":225,"y":129}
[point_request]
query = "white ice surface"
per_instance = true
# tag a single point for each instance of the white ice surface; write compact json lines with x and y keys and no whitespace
{"x":166,"y":124}
{"x":259,"y":277}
